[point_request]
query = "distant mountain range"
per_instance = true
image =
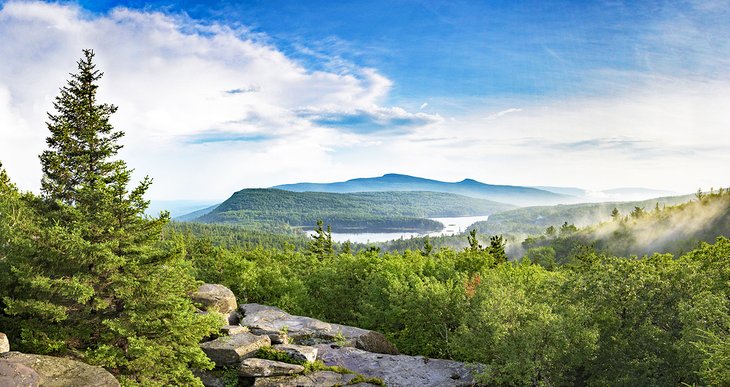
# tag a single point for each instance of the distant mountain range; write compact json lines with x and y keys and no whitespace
{"x":521,"y":196}
{"x":515,"y":195}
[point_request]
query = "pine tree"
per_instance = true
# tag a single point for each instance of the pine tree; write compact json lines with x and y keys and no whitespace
{"x":497,"y":245}
{"x":90,"y":274}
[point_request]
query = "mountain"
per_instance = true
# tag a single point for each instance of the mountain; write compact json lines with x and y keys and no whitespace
{"x":362,"y":212}
{"x":516,"y":195}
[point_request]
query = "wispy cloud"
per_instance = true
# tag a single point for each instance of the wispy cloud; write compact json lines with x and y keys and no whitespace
{"x":214,"y":136}
{"x":502,"y":113}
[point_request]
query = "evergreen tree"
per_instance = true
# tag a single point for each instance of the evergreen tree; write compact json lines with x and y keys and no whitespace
{"x":321,"y":244}
{"x":474,"y":245}
{"x":90,"y":274}
{"x":496,"y":248}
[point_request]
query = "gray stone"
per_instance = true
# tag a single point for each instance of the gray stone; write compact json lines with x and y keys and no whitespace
{"x":210,"y":378}
{"x":255,"y":368}
{"x":61,"y":372}
{"x":399,"y":370}
{"x":16,"y":374}
{"x":276,"y":337}
{"x":234,"y":330}
{"x":230,"y":350}
{"x":298,"y":352}
{"x":315,"y":379}
{"x":215,"y":298}
{"x":306,"y":330}
{"x":4,"y":343}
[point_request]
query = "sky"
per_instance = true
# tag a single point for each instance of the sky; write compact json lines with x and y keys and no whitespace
{"x":217,"y":96}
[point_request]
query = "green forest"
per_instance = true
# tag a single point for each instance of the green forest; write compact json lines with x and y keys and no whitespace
{"x":86,"y":275}
{"x":364,"y":211}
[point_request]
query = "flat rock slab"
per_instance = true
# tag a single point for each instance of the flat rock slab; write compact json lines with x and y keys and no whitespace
{"x":256,"y":368}
{"x":4,"y":343}
{"x":315,"y":379}
{"x":60,"y":372}
{"x":306,"y":330}
{"x":16,"y":374}
{"x":215,"y":298}
{"x":230,"y":350}
{"x":298,"y":352}
{"x":399,"y":370}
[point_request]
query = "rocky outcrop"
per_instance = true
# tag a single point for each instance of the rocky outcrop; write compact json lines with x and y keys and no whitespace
{"x":360,"y":354}
{"x":230,"y":350}
{"x":217,"y":298}
{"x":52,"y":372}
{"x":4,"y":343}
{"x":399,"y":370}
{"x":255,"y":368}
{"x":306,"y":330}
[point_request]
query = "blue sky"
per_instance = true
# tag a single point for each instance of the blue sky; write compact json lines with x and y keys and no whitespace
{"x":217,"y":96}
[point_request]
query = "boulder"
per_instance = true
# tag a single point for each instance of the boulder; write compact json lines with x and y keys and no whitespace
{"x":306,"y":330}
{"x":255,"y":368}
{"x":59,"y":372}
{"x":4,"y":343}
{"x":315,"y":379}
{"x":234,"y":330}
{"x":298,"y":352}
{"x":399,"y":370}
{"x":16,"y":374}
{"x":215,"y":298}
{"x":210,"y":378}
{"x":230,"y":350}
{"x":276,"y":337}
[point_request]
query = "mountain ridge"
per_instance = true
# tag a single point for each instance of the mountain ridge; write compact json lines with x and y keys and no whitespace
{"x":510,"y":194}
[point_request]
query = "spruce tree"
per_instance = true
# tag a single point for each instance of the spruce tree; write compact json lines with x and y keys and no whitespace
{"x":91,"y":276}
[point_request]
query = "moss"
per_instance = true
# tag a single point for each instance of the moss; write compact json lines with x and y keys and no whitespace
{"x":269,"y":353}
{"x":363,"y":379}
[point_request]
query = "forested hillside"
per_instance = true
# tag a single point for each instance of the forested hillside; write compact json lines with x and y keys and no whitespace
{"x":674,"y":229}
{"x":534,"y":220}
{"x":364,"y":211}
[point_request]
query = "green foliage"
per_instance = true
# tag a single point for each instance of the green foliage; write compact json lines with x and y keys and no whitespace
{"x":599,"y":320}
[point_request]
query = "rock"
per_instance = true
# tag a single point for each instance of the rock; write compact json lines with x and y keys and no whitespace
{"x":276,"y":337}
{"x":210,"y":378}
{"x":399,"y":370}
{"x":60,"y":372}
{"x":215,"y":298}
{"x":16,"y":374}
{"x":315,"y":379}
{"x":4,"y":343}
{"x":255,"y":368}
{"x":231,"y":330}
{"x":230,"y":350}
{"x":306,"y":330}
{"x":298,"y":352}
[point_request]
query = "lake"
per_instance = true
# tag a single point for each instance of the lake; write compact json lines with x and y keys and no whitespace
{"x":452,"y":226}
